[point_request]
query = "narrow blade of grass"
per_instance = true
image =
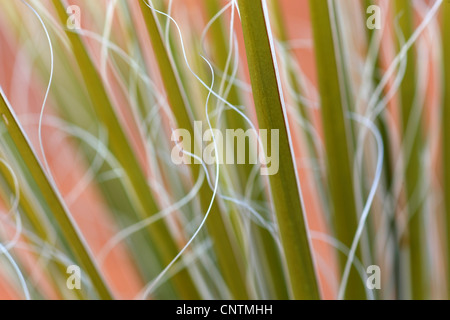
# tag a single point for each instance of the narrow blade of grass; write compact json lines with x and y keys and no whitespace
{"x":33,"y":219}
{"x":337,"y":137}
{"x":268,"y":254}
{"x":53,"y":200}
{"x":412,"y":151}
{"x":284,"y":185}
{"x":446,"y":126}
{"x":387,"y":163}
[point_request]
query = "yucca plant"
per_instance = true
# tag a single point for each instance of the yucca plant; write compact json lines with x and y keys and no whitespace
{"x":249,"y":149}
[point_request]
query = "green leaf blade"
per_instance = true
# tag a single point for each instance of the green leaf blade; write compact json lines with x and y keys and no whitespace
{"x":284,"y":185}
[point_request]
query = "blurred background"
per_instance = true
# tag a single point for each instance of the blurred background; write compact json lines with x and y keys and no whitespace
{"x":93,"y":92}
